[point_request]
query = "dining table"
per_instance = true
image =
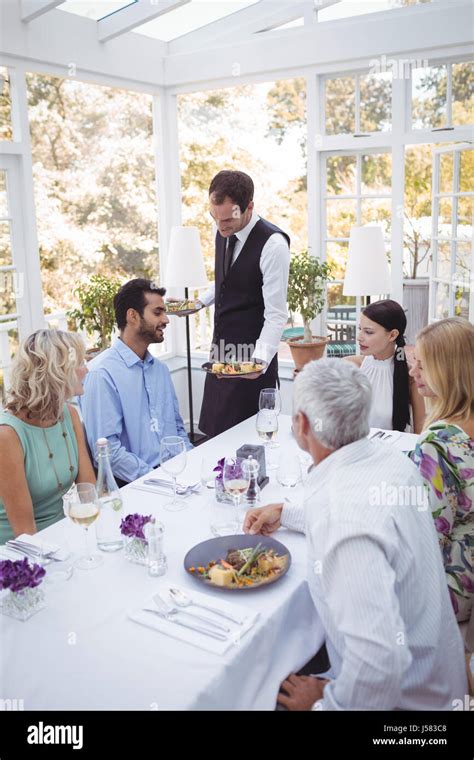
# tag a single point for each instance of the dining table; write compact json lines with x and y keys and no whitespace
{"x":88,"y":648}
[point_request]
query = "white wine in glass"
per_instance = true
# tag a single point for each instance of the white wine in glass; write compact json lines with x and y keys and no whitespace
{"x":83,"y":509}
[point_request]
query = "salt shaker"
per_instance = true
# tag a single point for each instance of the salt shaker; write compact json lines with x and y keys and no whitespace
{"x":251,"y":468}
{"x":156,"y":558}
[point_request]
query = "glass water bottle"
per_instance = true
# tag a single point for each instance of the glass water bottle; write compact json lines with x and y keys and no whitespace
{"x":109,"y":538}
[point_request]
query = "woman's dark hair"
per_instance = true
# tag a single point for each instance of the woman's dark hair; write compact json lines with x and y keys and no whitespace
{"x":237,"y":186}
{"x":132,"y":296}
{"x":391,"y":316}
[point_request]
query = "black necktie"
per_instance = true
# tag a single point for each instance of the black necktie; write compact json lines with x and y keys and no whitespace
{"x":229,"y":253}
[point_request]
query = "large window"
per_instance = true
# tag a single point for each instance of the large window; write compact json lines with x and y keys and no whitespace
{"x":6,"y":132}
{"x":443,"y":95}
{"x":94,"y":180}
{"x":357,"y":192}
{"x":358,"y":103}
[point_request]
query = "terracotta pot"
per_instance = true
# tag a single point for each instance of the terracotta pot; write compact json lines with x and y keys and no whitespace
{"x":303,"y":353}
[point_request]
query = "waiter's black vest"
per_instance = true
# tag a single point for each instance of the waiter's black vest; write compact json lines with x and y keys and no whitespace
{"x":238,"y":321}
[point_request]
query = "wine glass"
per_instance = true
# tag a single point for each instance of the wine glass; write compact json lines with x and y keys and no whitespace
{"x":289,"y":471}
{"x":173,"y":462}
{"x":270,"y":399}
{"x":83,"y":509}
{"x":236,"y":483}
{"x":267,"y":428}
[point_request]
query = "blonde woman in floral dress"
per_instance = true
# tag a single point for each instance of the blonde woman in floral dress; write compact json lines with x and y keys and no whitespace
{"x":443,"y":371}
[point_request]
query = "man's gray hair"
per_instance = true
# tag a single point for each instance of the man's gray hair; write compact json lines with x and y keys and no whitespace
{"x":335,"y":396}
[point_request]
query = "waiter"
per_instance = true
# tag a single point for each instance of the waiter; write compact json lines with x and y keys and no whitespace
{"x":252,"y":259}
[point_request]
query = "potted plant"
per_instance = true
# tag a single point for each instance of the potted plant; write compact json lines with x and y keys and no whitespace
{"x":96,"y":313}
{"x":307,"y":296}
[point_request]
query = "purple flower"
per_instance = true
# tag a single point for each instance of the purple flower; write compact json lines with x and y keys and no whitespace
{"x":133,"y":525}
{"x":442,"y":525}
{"x":467,"y":583}
{"x":219,"y":468}
{"x":19,"y":574}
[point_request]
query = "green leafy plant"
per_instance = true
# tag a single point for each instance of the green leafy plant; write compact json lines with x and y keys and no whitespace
{"x":307,"y":288}
{"x":96,"y":313}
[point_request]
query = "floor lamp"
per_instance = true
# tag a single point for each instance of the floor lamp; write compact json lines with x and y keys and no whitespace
{"x":185,"y":269}
{"x":367,"y":272}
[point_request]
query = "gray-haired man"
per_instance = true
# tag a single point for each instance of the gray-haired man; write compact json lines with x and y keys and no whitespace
{"x":374,"y":567}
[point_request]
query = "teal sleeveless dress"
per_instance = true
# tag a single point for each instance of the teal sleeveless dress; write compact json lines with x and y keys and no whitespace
{"x":42,"y":481}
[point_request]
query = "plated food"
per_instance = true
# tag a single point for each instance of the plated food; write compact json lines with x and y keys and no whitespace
{"x":250,"y":369}
{"x":186,"y":305}
{"x":250,"y":565}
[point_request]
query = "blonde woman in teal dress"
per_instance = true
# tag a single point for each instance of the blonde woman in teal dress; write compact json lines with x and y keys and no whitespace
{"x":443,"y":371}
{"x":42,"y":445}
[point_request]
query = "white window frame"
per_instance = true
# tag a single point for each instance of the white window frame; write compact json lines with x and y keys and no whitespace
{"x":435,"y":280}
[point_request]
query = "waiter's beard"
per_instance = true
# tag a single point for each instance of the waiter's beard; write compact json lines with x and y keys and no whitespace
{"x":150,"y":334}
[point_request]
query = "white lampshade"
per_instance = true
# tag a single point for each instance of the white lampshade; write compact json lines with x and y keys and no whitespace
{"x":367,"y":272}
{"x":185,"y":265}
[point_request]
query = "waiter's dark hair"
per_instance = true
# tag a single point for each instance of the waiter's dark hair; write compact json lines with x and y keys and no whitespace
{"x":132,"y":296}
{"x":237,"y":186}
{"x":391,"y":316}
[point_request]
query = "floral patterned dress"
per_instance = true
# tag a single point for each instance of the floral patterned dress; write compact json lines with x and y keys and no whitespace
{"x":444,"y":455}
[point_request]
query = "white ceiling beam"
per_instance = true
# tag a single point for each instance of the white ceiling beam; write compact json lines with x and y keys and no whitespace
{"x":69,"y":45}
{"x":266,"y":14}
{"x":391,"y":33}
{"x":31,"y":9}
{"x":135,"y":15}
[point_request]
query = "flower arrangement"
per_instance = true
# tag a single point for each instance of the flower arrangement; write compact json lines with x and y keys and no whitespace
{"x":22,"y":580}
{"x":136,"y":545}
{"x":19,"y":574}
{"x":220,"y":491}
{"x":132,"y":525}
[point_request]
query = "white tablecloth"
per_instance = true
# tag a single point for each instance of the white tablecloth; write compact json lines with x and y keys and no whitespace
{"x":82,"y":652}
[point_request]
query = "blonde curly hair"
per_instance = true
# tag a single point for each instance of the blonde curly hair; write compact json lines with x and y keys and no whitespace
{"x":43,"y":374}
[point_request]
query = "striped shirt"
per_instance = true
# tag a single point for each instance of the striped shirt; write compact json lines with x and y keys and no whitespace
{"x":377,"y":581}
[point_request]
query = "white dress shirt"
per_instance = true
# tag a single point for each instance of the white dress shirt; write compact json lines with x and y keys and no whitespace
{"x":380,"y":374}
{"x":377,"y":580}
{"x":274,"y":266}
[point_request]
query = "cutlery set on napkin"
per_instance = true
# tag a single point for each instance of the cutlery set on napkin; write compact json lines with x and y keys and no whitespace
{"x":214,"y":626}
{"x":164,"y":486}
{"x":34,"y":548}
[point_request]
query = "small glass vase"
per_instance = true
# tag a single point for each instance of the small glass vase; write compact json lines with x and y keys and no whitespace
{"x":136,"y":550}
{"x":23,"y":604}
{"x":220,"y":492}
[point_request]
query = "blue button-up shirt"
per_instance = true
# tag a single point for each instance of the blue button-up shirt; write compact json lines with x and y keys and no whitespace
{"x":133,"y":404}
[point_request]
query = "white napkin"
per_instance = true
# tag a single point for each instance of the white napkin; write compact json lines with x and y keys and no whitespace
{"x":46,"y":547}
{"x":196,"y":639}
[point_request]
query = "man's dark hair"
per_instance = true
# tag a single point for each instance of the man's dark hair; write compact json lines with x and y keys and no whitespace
{"x":132,"y":296}
{"x":237,"y":186}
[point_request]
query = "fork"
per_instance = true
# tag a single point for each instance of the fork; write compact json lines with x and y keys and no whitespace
{"x":173,"y":611}
{"x":163,"y":612}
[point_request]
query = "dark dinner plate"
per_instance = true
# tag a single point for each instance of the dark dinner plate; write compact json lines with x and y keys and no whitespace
{"x":207,"y":367}
{"x":217,"y":548}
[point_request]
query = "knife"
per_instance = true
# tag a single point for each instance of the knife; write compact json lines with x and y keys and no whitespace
{"x":198,"y":628}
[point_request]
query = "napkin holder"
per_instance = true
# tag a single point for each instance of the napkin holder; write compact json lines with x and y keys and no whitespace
{"x":258,"y":453}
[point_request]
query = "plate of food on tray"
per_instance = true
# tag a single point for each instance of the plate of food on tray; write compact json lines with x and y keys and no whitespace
{"x":249,"y":370}
{"x":182,"y":308}
{"x":238,"y":563}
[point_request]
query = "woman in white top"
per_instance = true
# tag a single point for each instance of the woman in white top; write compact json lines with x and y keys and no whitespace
{"x":382,"y":358}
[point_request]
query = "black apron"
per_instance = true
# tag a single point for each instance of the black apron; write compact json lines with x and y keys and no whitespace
{"x":238,"y":322}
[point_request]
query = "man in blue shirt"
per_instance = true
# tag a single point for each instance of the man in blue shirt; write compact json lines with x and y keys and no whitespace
{"x":128,"y":394}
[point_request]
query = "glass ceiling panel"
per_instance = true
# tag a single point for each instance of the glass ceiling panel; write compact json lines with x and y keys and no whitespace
{"x":95,"y":9}
{"x":347,"y":8}
{"x":191,"y":16}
